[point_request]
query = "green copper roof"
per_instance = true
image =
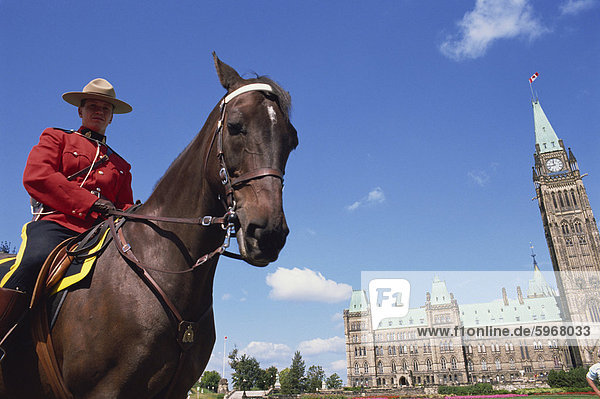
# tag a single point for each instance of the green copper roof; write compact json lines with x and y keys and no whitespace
{"x":497,"y":313}
{"x":358,"y":302}
{"x":439,"y":292}
{"x":545,"y":136}
{"x":541,"y":304}
{"x":538,"y":286}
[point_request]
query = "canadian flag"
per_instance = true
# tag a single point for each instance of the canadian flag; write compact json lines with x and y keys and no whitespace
{"x":533,"y":77}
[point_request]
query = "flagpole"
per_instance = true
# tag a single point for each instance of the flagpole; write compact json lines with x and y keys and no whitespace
{"x":224,"y":356}
{"x":531,"y":79}
{"x":531,"y":87}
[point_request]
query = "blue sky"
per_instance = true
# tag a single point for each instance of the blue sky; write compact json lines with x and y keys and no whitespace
{"x":414,"y":119}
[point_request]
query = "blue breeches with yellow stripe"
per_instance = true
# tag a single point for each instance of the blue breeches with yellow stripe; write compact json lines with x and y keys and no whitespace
{"x":39,"y":238}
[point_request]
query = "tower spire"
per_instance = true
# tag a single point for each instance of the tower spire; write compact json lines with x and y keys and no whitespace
{"x":535,"y":265}
{"x":545,"y":136}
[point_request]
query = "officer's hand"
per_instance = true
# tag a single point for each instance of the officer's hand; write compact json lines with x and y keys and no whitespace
{"x":103,"y":206}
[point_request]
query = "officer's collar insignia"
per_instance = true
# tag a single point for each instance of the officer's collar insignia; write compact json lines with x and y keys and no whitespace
{"x":90,"y":134}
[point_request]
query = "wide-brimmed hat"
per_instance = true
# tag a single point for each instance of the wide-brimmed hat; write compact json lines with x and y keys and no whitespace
{"x":98,"y":89}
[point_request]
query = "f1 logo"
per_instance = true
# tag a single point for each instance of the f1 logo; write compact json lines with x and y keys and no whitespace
{"x":388,"y":298}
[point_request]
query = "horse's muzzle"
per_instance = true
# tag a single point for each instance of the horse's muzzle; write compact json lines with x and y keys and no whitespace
{"x":261,"y":240}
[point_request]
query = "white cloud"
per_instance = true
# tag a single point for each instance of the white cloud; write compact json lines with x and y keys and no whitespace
{"x":267,"y":351}
{"x":305,"y":285}
{"x":479,"y":177}
{"x":320,"y":345}
{"x":226,"y":297}
{"x":489,"y":21}
{"x":338,"y":365}
{"x":572,"y":7}
{"x":375,"y":196}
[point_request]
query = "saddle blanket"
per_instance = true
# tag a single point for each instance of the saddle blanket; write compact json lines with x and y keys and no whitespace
{"x":81,"y":266}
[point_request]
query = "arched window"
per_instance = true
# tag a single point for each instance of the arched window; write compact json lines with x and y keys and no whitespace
{"x":416,"y":365}
{"x":511,"y":361}
{"x":380,"y":367}
{"x":554,"y":201}
{"x":498,"y":365}
{"x":483,"y":364}
{"x":556,"y":361}
{"x":366,"y":367}
{"x":594,"y":311}
{"x":573,"y":197}
{"x":394,"y":367}
{"x":429,"y":365}
{"x":453,"y":363}
{"x":541,"y":362}
{"x":470,"y":365}
{"x":356,"y":369}
{"x":560,"y":199}
{"x":404,"y":366}
{"x":443,"y":363}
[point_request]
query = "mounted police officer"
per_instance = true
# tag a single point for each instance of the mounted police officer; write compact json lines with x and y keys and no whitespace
{"x":74,"y":180}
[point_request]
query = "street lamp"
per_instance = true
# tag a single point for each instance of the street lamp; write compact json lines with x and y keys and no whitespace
{"x":244,"y":387}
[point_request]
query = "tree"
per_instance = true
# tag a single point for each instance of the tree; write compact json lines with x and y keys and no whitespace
{"x":283,"y":378}
{"x":210,"y":379}
{"x":574,"y":378}
{"x":334,"y":381}
{"x":314,"y":378}
{"x":247,"y":372}
{"x":268,"y":378}
{"x":7,"y":247}
{"x":294,"y":381}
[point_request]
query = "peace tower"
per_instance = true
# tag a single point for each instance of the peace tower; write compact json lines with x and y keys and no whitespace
{"x":571,"y":231}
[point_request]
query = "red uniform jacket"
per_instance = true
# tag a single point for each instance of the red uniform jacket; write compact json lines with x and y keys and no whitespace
{"x":60,"y":154}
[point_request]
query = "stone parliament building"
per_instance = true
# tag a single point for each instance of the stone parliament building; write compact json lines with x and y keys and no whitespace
{"x":394,"y":354}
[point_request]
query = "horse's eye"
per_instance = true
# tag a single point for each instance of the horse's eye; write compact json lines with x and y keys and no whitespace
{"x":235,"y":128}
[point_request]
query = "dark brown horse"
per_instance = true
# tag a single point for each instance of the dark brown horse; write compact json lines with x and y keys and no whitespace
{"x":114,"y":339}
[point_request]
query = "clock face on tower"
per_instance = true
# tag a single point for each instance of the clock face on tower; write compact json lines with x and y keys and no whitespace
{"x":554,"y":164}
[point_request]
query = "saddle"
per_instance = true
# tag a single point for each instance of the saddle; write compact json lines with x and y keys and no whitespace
{"x":86,"y":246}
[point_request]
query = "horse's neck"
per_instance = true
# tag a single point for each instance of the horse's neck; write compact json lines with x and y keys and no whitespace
{"x":183,"y":192}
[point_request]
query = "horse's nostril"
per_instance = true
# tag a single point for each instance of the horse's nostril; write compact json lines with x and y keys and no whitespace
{"x":251,"y":230}
{"x":267,"y":238}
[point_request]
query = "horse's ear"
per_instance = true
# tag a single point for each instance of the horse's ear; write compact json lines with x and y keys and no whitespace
{"x":227,"y":75}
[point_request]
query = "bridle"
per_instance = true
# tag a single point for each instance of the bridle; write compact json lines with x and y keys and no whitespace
{"x":230,"y":184}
